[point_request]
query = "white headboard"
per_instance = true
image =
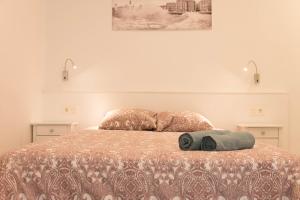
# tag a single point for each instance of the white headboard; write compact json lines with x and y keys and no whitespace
{"x":225,"y":110}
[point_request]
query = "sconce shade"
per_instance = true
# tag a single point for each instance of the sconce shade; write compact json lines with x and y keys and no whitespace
{"x":257,"y":78}
{"x":65,"y":72}
{"x":256,"y":74}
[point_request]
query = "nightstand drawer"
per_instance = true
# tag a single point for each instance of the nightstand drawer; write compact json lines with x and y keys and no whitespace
{"x":264,"y":132}
{"x":268,"y":133}
{"x":51,"y":130}
{"x":44,"y":131}
{"x":270,"y":141}
{"x":44,"y":138}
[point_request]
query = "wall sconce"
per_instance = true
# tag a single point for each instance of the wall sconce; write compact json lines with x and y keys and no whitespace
{"x":65,"y":72}
{"x":256,"y":74}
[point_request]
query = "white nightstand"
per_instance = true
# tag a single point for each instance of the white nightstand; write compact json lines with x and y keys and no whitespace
{"x":267,"y":133}
{"x":43,"y":131}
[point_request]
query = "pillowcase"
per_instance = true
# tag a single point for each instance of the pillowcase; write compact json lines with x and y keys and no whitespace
{"x":129,"y":119}
{"x":182,"y":122}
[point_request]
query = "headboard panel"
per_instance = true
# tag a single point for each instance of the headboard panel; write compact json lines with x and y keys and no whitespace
{"x":225,"y":110}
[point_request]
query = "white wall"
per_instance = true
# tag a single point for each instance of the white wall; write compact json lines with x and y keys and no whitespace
{"x":165,"y":60}
{"x":22,"y":57}
{"x":291,"y":48}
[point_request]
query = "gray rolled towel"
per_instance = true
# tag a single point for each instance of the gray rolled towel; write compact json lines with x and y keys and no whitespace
{"x":216,"y":141}
{"x":190,"y":141}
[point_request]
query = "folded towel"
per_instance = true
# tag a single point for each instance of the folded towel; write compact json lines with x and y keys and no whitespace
{"x":216,"y":141}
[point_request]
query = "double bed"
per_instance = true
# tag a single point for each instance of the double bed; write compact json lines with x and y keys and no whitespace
{"x":110,"y":164}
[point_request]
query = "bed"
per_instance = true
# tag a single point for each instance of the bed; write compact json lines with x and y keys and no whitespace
{"x":104,"y":164}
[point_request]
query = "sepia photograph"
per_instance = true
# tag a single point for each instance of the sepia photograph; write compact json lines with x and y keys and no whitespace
{"x":161,"y":14}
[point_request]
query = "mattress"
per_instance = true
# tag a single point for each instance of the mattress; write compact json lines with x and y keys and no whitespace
{"x":95,"y":165}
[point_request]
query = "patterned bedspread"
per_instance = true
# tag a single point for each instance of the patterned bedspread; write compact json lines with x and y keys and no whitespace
{"x":96,"y":165}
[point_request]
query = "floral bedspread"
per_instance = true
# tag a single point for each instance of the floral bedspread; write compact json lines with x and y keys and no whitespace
{"x":96,"y":165}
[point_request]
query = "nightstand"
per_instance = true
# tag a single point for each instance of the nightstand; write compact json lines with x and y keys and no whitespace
{"x":44,"y":131}
{"x":266,"y":133}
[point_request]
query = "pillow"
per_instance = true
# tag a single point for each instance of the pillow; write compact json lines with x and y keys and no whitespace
{"x":182,"y":122}
{"x":129,"y":119}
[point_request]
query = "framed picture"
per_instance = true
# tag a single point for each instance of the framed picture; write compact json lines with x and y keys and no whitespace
{"x":161,"y":14}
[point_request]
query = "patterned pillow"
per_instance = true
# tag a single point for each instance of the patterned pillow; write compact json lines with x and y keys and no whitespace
{"x":129,"y":119}
{"x":182,"y":122}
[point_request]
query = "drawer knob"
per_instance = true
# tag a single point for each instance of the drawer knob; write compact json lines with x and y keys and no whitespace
{"x":51,"y":130}
{"x":263,"y":133}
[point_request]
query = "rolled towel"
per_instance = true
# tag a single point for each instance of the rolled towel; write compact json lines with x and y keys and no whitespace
{"x":190,"y":141}
{"x":216,"y":141}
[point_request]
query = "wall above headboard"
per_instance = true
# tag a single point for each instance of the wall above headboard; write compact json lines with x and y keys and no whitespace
{"x":165,"y":60}
{"x":225,"y":110}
